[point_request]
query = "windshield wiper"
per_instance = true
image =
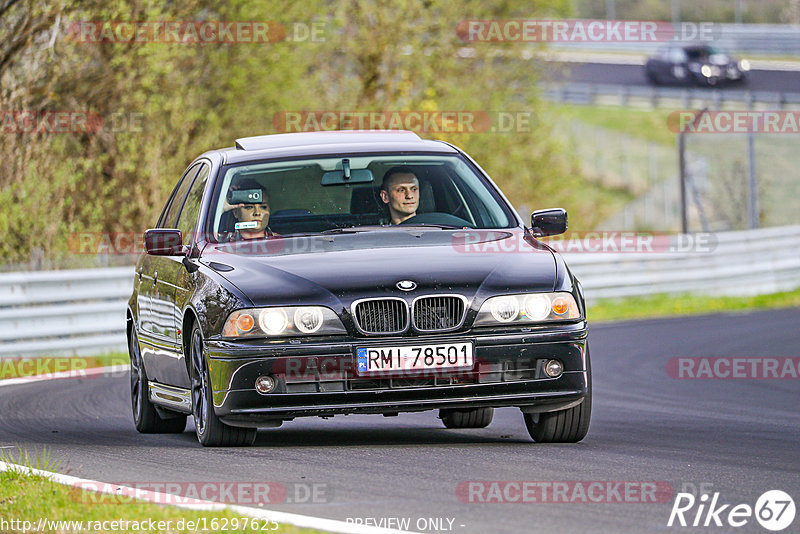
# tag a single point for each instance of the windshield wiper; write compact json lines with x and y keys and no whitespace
{"x":346,"y":230}
{"x":374,"y":228}
{"x":431,"y":225}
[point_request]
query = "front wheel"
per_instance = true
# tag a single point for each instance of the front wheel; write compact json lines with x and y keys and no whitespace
{"x":211,"y":431}
{"x":564,"y":426}
{"x":145,"y":416}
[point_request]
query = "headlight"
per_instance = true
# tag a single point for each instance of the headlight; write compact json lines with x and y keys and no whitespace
{"x":504,"y":309}
{"x":282,"y":321}
{"x":744,"y":65}
{"x":705,"y":70}
{"x":273,"y":321}
{"x":528,"y":308}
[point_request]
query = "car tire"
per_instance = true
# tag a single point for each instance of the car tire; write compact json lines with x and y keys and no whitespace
{"x":474,"y":418}
{"x":145,"y":416}
{"x":564,"y":426}
{"x":210,"y":430}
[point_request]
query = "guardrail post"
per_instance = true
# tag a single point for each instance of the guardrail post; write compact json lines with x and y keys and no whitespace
{"x":682,"y":174}
{"x":753,"y":196}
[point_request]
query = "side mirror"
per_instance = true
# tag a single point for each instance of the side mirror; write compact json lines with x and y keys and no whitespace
{"x":551,"y":221}
{"x":164,"y":242}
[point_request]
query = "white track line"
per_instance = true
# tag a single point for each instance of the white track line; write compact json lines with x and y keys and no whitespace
{"x":93,"y":372}
{"x":303,"y":521}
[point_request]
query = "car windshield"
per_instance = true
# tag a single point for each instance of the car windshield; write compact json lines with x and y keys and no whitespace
{"x":700,"y":52}
{"x":343,"y":194}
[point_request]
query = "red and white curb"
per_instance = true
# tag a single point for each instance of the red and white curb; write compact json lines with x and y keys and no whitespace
{"x":303,"y":521}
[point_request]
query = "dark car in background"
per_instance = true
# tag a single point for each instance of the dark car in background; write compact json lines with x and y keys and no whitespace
{"x":280,"y":283}
{"x":695,"y":65}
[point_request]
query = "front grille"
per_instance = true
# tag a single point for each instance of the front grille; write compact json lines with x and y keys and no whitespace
{"x":438,"y":313}
{"x":381,"y":316}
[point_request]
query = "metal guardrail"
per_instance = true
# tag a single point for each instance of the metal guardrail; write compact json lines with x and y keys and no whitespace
{"x":667,"y":97}
{"x":64,"y":312}
{"x":743,"y":263}
{"x":83,"y":311}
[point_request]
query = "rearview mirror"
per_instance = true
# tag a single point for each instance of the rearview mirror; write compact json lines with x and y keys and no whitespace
{"x":164,"y":242}
{"x":551,"y":221}
{"x":347,"y":176}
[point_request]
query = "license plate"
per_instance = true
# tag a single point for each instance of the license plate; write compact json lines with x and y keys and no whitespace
{"x":414,"y":358}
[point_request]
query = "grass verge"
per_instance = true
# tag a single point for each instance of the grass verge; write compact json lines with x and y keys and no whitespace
{"x":649,"y":125}
{"x":655,"y":306}
{"x":18,"y":367}
{"x":25,"y":499}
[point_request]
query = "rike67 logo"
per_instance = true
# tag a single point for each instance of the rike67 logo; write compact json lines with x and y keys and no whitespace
{"x":774,"y":510}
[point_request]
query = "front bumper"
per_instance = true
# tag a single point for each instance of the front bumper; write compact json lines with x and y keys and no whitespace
{"x":318,"y":377}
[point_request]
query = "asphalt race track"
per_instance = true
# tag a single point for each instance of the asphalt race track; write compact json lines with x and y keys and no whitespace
{"x":601,"y":73}
{"x":736,"y":437}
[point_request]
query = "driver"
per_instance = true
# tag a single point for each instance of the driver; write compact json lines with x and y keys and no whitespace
{"x":400,"y":191}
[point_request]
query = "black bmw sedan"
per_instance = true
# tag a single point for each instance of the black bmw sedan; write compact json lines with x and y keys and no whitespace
{"x":695,"y":65}
{"x":326,"y":273}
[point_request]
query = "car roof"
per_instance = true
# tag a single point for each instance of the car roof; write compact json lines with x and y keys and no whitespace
{"x":330,"y":143}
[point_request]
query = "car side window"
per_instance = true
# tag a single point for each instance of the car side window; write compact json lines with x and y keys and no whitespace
{"x":169,"y":219}
{"x":191,"y":207}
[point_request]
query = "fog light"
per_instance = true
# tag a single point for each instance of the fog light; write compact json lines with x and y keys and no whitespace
{"x":553,"y":368}
{"x":266,"y":384}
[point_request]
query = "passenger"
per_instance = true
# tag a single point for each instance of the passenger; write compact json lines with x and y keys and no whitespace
{"x":400,"y":191}
{"x":252,"y":220}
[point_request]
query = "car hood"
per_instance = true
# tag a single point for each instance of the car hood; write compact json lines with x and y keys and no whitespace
{"x":338,"y":269}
